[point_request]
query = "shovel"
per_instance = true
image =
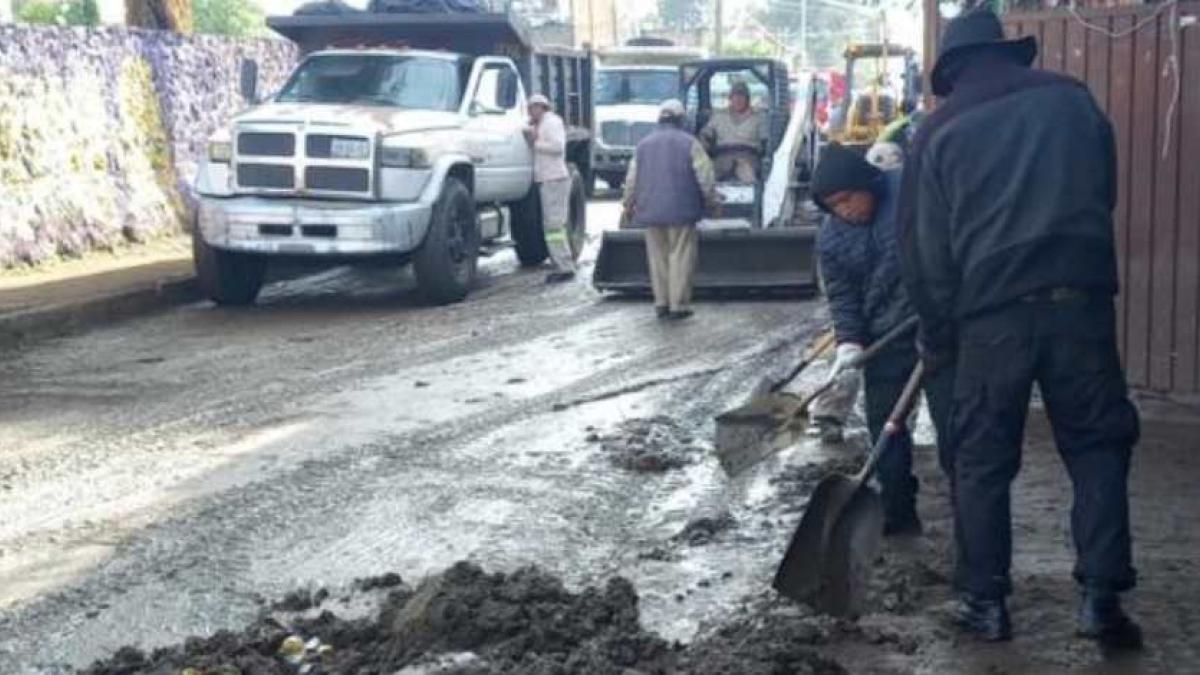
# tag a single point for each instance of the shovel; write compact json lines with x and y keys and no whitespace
{"x":841,"y":528}
{"x":750,"y":433}
{"x":767,"y":386}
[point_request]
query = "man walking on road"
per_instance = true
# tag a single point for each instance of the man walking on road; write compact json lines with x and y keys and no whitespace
{"x":861,"y":270}
{"x":1008,"y":254}
{"x":667,"y":190}
{"x":549,"y":139}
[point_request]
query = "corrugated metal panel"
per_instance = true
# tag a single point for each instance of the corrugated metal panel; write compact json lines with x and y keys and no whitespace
{"x":1157,"y":219}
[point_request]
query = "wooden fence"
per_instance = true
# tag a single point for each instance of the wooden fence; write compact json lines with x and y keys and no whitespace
{"x":1142,"y":64}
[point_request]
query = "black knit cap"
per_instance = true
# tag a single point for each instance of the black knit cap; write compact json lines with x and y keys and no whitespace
{"x":977,"y":29}
{"x":840,"y":169}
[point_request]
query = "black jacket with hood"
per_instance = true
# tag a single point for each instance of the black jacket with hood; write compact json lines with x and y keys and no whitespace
{"x":1009,"y":190}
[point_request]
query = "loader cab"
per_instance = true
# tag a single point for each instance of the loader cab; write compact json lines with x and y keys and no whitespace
{"x":705,"y":88}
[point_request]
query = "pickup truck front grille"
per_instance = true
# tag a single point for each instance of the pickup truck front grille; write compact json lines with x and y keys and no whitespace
{"x":261,"y":144}
{"x":640,"y":130}
{"x":295,"y":162}
{"x":337,"y":179}
{"x":615,"y":134}
{"x":266,"y":176}
{"x":623,"y":134}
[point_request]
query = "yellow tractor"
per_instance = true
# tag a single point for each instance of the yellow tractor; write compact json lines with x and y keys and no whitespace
{"x":882,"y":83}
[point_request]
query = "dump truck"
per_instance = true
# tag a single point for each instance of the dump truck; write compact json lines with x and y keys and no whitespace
{"x":764,"y":239}
{"x":631,"y":82}
{"x":398,"y":139}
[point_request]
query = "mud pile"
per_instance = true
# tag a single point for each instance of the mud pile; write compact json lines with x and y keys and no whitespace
{"x":648,"y":445}
{"x":468,"y":622}
{"x":462,"y":622}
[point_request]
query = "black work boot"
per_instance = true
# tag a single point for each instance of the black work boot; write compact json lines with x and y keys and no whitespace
{"x":1102,"y":619}
{"x":985,"y":618}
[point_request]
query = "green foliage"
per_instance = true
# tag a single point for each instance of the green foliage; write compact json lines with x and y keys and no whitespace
{"x":235,"y":18}
{"x":69,"y":13}
{"x":749,"y":49}
{"x":681,"y":15}
{"x":830,"y":29}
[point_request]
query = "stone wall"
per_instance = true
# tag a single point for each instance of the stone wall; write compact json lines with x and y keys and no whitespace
{"x":101,"y":131}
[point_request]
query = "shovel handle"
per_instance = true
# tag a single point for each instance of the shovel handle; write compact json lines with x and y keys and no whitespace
{"x":866,"y":355}
{"x":896,"y":421}
{"x":817,"y":351}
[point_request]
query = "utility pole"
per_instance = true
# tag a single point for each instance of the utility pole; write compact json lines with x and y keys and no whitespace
{"x":718,"y":28}
{"x":616,"y":36}
{"x":803,"y":34}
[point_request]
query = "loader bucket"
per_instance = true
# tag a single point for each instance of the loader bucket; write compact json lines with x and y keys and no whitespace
{"x":743,"y":259}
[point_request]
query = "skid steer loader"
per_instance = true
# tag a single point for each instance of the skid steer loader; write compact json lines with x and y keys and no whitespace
{"x":764,"y":239}
{"x":882,"y":82}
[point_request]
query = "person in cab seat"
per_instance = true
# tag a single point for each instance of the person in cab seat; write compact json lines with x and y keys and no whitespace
{"x":734,"y":137}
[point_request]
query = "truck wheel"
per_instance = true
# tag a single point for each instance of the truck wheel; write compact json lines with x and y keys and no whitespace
{"x":227,"y":277}
{"x":577,"y":218}
{"x":527,"y":234}
{"x":445,"y":264}
{"x":615,"y":182}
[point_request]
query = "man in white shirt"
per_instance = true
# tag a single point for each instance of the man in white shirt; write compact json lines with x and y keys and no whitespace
{"x":548,"y":137}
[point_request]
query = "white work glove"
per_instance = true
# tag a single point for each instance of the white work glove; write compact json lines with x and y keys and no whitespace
{"x":843,"y":362}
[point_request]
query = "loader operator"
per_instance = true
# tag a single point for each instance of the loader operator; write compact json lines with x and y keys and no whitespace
{"x":1007,"y":251}
{"x":735,"y":136}
{"x":861,"y":270}
{"x":668,"y":187}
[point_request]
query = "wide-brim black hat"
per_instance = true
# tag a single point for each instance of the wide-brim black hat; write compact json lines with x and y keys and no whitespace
{"x":977,"y":29}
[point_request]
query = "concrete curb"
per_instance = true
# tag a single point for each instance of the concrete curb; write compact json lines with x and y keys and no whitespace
{"x":57,"y":320}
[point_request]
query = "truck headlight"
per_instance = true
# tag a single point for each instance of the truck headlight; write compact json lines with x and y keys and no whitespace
{"x":220,"y":151}
{"x":404,"y":158}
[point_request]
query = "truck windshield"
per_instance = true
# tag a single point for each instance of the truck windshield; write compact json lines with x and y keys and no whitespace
{"x":637,"y":87}
{"x":413,"y":82}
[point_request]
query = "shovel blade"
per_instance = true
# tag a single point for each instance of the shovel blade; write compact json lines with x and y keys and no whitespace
{"x":849,"y":554}
{"x":747,"y":434}
{"x":803,"y":567}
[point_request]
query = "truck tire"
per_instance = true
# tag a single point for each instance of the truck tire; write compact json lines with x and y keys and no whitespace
{"x":228,"y":278}
{"x":615,"y":182}
{"x":577,"y":218}
{"x":445,"y":264}
{"x":527,"y":235}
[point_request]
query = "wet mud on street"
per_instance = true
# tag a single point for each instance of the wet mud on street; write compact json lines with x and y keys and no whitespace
{"x":181,"y":474}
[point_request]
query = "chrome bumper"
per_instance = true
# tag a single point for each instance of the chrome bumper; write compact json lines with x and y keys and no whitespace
{"x":312,"y":227}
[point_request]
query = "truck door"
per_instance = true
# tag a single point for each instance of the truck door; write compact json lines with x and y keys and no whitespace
{"x":496,"y":117}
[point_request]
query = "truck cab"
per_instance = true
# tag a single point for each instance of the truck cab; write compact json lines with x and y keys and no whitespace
{"x":631,"y":82}
{"x":377,"y":150}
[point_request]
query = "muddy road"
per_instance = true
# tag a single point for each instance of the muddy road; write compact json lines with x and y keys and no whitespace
{"x":171,"y":476}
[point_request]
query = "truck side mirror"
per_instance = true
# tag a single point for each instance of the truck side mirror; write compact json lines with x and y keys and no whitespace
{"x":249,"y":81}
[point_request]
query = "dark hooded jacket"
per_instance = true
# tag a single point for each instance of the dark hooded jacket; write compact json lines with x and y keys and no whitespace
{"x":1008,"y":190}
{"x":860,"y":263}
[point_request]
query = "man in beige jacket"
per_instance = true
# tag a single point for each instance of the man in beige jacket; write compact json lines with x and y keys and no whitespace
{"x":549,"y":139}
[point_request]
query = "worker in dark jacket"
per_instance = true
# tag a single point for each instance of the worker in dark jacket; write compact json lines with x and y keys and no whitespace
{"x":1007,"y":252}
{"x":860,"y":268}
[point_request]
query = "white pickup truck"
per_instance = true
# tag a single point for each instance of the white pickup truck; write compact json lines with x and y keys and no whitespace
{"x":383,"y":144}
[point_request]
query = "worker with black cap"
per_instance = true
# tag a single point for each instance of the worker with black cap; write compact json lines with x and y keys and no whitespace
{"x":735,"y":136}
{"x":1008,"y":256}
{"x":860,"y":269}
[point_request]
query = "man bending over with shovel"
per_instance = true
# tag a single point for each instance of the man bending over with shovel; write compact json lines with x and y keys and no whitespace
{"x":860,"y":267}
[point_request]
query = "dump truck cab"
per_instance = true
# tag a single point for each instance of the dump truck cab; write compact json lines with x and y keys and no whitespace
{"x":631,"y":82}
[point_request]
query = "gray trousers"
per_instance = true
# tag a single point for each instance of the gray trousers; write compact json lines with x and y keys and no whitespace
{"x":672,"y":251}
{"x":556,"y":212}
